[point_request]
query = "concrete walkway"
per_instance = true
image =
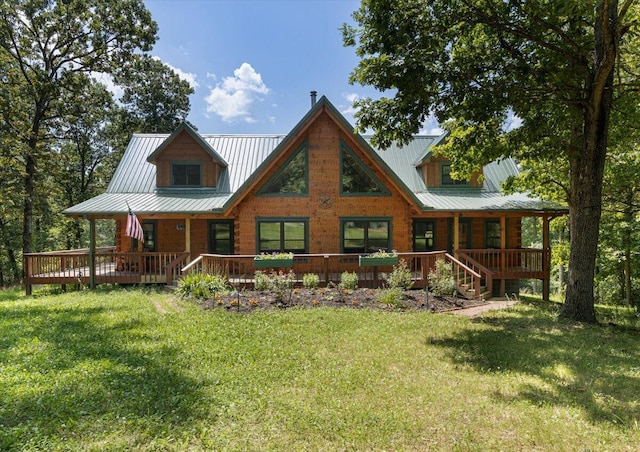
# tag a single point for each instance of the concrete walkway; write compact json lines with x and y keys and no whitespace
{"x":477,"y":311}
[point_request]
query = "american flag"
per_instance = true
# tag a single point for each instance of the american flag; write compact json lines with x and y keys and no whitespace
{"x":134,"y":229}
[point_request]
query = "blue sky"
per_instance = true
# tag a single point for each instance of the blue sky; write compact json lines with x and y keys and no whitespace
{"x":253,"y":62}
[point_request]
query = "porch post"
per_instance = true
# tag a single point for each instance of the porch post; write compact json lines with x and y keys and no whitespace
{"x":503,"y":255}
{"x":456,"y":234}
{"x":546,"y":248}
{"x":92,"y":253}
{"x":187,"y":236}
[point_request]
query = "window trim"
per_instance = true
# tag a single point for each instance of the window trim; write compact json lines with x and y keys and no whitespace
{"x":282,"y":220}
{"x":486,"y":233}
{"x":455,"y":182}
{"x":384,"y":191}
{"x":210,"y":243}
{"x":303,"y":148}
{"x":434,"y":222}
{"x":343,"y":220}
{"x":185,"y":163}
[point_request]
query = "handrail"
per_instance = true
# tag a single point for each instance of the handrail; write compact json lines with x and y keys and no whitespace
{"x":171,"y":266}
{"x":194,"y":262}
{"x":477,"y":264}
{"x":463,"y":266}
{"x":79,"y":251}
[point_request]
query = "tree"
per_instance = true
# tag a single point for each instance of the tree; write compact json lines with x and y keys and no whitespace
{"x":46,"y":46}
{"x":559,"y":65}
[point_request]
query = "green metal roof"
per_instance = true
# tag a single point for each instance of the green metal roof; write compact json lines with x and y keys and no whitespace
{"x":134,"y":181}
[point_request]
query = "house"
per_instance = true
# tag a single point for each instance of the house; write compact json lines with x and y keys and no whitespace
{"x":321,"y":190}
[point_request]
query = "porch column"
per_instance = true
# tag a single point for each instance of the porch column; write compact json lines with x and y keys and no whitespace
{"x":92,"y":253}
{"x":187,"y":236}
{"x":546,"y":249}
{"x":456,"y":234}
{"x":503,"y":255}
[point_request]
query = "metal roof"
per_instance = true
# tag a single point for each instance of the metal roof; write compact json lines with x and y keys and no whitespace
{"x":134,"y":181}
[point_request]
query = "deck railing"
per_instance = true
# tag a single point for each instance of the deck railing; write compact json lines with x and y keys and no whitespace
{"x":511,"y":263}
{"x":240,"y":269}
{"x":73,"y":267}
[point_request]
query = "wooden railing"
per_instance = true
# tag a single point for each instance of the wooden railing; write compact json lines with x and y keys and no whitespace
{"x":240,"y":269}
{"x":73,"y":267}
{"x":511,"y":263}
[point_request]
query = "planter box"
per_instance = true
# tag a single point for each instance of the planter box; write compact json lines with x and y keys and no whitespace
{"x":272,"y":263}
{"x":373,"y":261}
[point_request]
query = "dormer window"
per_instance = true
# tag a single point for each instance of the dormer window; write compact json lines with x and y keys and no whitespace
{"x":445,"y":177}
{"x":185,"y":174}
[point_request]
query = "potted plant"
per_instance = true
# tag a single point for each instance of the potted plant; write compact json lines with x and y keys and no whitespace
{"x":378,"y":259}
{"x":274,"y":260}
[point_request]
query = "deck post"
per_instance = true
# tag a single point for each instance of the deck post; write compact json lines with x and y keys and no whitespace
{"x":92,"y":253}
{"x":546,"y":248}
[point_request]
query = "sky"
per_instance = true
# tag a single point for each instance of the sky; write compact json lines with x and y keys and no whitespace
{"x":253,"y":63}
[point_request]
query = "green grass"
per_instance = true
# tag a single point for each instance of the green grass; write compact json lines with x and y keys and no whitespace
{"x":138,"y":369}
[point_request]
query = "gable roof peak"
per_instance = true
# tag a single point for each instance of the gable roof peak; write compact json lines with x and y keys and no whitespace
{"x":186,"y":127}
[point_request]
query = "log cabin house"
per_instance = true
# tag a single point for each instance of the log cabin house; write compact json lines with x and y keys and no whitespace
{"x":322,"y":192}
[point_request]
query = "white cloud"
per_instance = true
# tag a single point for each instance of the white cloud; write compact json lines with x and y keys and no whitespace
{"x":107,"y":81}
{"x":349,"y":110}
{"x":188,"y":77}
{"x":232,"y":98}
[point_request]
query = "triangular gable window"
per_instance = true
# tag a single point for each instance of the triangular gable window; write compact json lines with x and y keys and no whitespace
{"x":292,"y":179}
{"x":356,"y":179}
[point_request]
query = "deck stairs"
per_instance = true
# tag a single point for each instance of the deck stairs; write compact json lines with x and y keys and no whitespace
{"x":467,"y":291}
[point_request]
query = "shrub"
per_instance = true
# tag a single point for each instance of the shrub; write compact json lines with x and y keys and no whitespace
{"x":348,"y":281}
{"x":392,"y":296}
{"x":310,"y":280}
{"x":261,"y":280}
{"x":200,"y":286}
{"x":400,"y":276}
{"x":281,"y":283}
{"x":441,"y":279}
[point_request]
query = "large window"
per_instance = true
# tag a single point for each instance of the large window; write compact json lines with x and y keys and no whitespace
{"x":282,"y":235}
{"x":292,"y":179}
{"x":356,"y":178}
{"x":186,"y":175}
{"x":221,"y":237}
{"x":446,"y":179}
{"x":424,"y":235}
{"x":492,"y":237}
{"x":366,"y":235}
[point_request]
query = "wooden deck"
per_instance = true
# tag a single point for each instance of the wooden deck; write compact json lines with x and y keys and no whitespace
{"x":73,"y":267}
{"x":476,"y":270}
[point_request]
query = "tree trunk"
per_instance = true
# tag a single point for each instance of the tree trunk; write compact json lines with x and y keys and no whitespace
{"x":587,"y":169}
{"x":27,"y":210}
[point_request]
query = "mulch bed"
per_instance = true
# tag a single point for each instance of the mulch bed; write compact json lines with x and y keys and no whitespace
{"x":249,"y":300}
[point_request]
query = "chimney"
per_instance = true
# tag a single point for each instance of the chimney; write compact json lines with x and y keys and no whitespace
{"x":313,"y":98}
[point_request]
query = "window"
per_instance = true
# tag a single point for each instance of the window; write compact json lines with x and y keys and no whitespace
{"x":446,"y":179}
{"x":356,"y":179}
{"x":492,"y":237}
{"x":282,"y":235}
{"x":366,"y":235}
{"x":424,"y":235}
{"x":292,"y":179}
{"x":221,"y":237}
{"x":186,"y":175}
{"x":150,"y":229}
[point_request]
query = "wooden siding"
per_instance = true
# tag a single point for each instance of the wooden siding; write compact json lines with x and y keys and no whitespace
{"x":324,"y":206}
{"x":185,"y":149}
{"x":431,"y":173}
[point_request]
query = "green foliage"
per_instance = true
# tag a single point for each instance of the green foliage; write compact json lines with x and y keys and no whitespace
{"x":261,"y":280}
{"x":400,"y":277}
{"x":199,"y":286}
{"x":391,"y":296}
{"x":310,"y":280}
{"x":274,"y":256}
{"x":441,"y":280}
{"x":348,"y":281}
{"x":279,"y":283}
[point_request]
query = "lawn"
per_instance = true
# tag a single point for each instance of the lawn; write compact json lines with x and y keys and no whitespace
{"x":139,"y":369}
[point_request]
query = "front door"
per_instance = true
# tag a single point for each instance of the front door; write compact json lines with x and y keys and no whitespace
{"x":464,"y":234}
